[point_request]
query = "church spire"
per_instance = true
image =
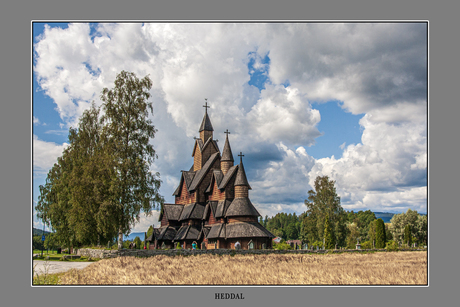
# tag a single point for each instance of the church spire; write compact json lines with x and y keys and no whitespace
{"x":227,"y":157}
{"x":227,"y":151}
{"x":206,"y":123}
{"x":206,"y":127}
{"x":241,"y":179}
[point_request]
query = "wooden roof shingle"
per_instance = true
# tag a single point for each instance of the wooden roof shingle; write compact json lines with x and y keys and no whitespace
{"x":228,"y":176}
{"x":246,"y":230}
{"x":200,"y":174}
{"x":241,"y":206}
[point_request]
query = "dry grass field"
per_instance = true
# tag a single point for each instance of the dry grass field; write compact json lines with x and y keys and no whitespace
{"x":382,"y":268}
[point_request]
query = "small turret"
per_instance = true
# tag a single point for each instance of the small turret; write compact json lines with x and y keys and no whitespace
{"x":241,"y":182}
{"x":227,"y":157}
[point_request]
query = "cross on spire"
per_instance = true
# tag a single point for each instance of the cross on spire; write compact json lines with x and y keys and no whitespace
{"x":227,"y":132}
{"x":206,"y":105}
{"x":241,"y":157}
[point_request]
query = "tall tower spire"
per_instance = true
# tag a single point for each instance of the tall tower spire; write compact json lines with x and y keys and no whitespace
{"x":241,"y":182}
{"x":227,"y":157}
{"x":206,"y":126}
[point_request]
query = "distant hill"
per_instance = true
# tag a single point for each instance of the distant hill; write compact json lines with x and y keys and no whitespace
{"x":38,"y":232}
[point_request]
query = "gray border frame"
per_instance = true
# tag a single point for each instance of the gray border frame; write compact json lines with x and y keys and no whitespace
{"x":16,"y":30}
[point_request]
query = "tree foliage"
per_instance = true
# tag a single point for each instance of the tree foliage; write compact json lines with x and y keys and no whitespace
{"x":328,"y":235}
{"x":380,"y":238}
{"x":102,"y":181}
{"x":418,"y":223}
{"x":407,"y":235}
{"x":283,"y":225}
{"x":321,"y":202}
{"x":128,"y":131}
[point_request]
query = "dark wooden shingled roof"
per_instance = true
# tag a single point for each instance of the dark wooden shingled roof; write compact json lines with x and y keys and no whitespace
{"x":241,"y":206}
{"x":188,"y":232}
{"x":216,"y":176}
{"x":241,"y":176}
{"x":227,"y":151}
{"x":202,"y":172}
{"x":186,"y":176}
{"x":216,"y":231}
{"x":192,"y":211}
{"x":210,"y":206}
{"x":206,"y":123}
{"x":222,"y":206}
{"x":172,"y":212}
{"x":155,"y":234}
{"x":167,"y":233}
{"x":228,"y":176}
{"x":246,"y":230}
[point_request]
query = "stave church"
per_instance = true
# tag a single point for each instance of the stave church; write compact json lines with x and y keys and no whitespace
{"x":212,"y":207}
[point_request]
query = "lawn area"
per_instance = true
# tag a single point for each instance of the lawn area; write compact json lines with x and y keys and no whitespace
{"x":54,"y":256}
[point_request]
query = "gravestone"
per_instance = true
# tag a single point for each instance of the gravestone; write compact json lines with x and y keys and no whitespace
{"x":163,"y":245}
{"x":203,"y":245}
{"x":263,"y":245}
{"x":250,"y":245}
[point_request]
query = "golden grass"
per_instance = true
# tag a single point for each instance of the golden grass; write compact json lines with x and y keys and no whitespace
{"x":383,"y":268}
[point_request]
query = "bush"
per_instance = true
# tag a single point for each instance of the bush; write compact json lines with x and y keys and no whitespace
{"x":366,"y":245}
{"x":392,"y":246}
{"x":282,"y":246}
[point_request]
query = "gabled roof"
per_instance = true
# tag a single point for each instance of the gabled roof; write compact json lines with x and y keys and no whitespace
{"x":202,"y":172}
{"x":216,"y":176}
{"x":172,"y":212}
{"x":198,"y":142}
{"x":227,"y":151}
{"x":155,"y":234}
{"x":241,"y":206}
{"x":222,"y":207}
{"x":246,"y":230}
{"x":217,"y":231}
{"x":188,"y":232}
{"x":206,"y":123}
{"x":228,"y":176}
{"x":167,"y":233}
{"x":192,"y":211}
{"x":188,"y":177}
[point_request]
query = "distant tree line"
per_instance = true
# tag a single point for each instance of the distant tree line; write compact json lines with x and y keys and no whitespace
{"x":326,"y":223}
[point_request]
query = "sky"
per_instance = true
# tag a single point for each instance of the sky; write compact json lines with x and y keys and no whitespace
{"x":301,"y":100}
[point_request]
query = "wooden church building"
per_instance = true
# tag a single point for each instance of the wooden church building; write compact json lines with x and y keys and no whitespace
{"x":212,"y":206}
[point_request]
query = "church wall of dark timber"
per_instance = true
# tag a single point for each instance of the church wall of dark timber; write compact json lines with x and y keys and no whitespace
{"x":185,"y":197}
{"x":164,"y":221}
{"x":211,"y":220}
{"x":216,"y":193}
{"x":197,"y":161}
{"x":242,"y":219}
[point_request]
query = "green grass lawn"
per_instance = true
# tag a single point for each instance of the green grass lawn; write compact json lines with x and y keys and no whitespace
{"x":54,"y":256}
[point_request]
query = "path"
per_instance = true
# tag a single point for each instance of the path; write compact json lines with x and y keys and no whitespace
{"x":57,"y":266}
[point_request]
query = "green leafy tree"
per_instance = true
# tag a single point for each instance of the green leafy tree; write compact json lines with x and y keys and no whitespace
{"x":421,"y":229}
{"x":321,"y":202}
{"x":353,"y":236}
{"x":138,"y":242}
{"x":129,"y":131}
{"x":408,"y":235}
{"x":371,"y":232}
{"x":418,"y":223}
{"x":380,"y":239}
{"x":328,"y":236}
